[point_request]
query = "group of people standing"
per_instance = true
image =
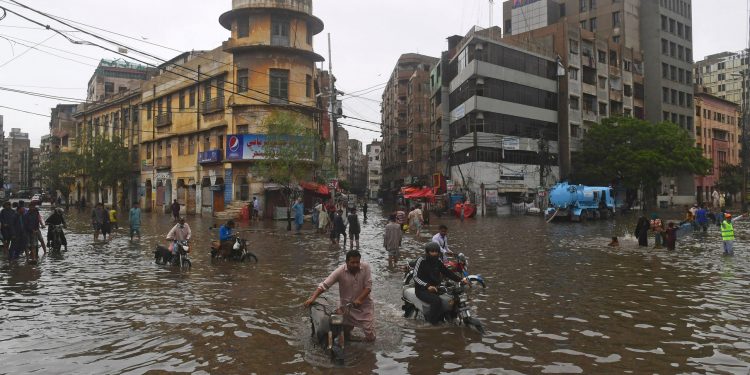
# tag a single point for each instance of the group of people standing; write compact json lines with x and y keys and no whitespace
{"x":333,"y":219}
{"x":20,"y":228}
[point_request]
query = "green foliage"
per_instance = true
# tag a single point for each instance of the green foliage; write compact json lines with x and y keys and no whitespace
{"x":290,"y":150}
{"x":59,"y":172}
{"x":731,"y":179}
{"x":345,"y":185}
{"x":637,"y":153}
{"x":104,"y":162}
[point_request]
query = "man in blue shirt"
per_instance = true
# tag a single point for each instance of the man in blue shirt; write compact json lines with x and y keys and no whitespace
{"x":299,"y":214}
{"x":701,"y":218}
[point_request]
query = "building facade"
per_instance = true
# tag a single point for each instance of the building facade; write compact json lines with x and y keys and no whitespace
{"x":718,"y":133}
{"x":116,"y":76}
{"x":503,"y":116}
{"x":18,"y":158}
{"x":721,"y":74}
{"x":357,"y":167}
{"x":62,"y":127}
{"x":395,"y":120}
{"x":374,"y":174}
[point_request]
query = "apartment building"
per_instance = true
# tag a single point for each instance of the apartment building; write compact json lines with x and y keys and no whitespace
{"x":721,"y":74}
{"x":374,"y":173}
{"x":718,"y":133}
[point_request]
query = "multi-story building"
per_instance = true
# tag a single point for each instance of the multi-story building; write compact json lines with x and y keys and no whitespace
{"x":660,"y":30}
{"x":4,"y":154}
{"x":602,"y":78}
{"x":16,"y":171}
{"x":374,"y":174}
{"x":721,"y":74}
{"x":116,"y":76}
{"x":62,"y":127}
{"x":357,"y":167}
{"x":718,"y":133}
{"x":34,"y":177}
{"x":503,"y":115}
{"x":342,"y":154}
{"x":418,"y":144}
{"x":439,"y":129}
{"x":395,"y":125}
{"x":115,"y":118}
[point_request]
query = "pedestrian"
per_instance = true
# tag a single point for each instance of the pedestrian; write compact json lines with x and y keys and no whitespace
{"x":401,"y":218}
{"x":97,"y":219}
{"x":641,"y":231}
{"x":416,"y":219}
{"x":19,"y":241}
{"x":323,"y":220}
{"x":693,"y":211}
{"x":316,"y":214}
{"x":727,"y":233}
{"x":338,"y":228}
{"x":463,"y":209}
{"x":355,"y":287}
{"x":701,"y":218}
{"x":354,"y":228}
{"x":256,"y":208}
{"x":715,"y":200}
{"x":657,"y":226}
{"x":441,"y":238}
{"x":32,"y":225}
{"x":113,"y":218}
{"x":364,"y":210}
{"x":671,"y":236}
{"x":7,"y":216}
{"x":175,"y":210}
{"x":134,"y":218}
{"x":106,"y":226}
{"x":299,"y":214}
{"x":392,"y":240}
{"x":722,"y":201}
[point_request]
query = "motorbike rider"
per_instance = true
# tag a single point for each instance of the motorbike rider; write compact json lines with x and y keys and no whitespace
{"x":180,"y":232}
{"x":441,"y":238}
{"x":226,"y":237}
{"x":56,"y":218}
{"x":427,"y":278}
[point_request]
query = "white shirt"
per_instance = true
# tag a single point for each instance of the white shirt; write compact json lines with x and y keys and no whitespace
{"x":443,"y":243}
{"x":256,"y":205}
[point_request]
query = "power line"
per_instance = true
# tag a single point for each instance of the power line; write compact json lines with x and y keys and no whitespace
{"x":21,"y":110}
{"x":13,"y":40}
{"x":25,"y":52}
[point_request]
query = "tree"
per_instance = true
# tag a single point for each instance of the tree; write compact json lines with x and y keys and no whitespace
{"x":58,"y":173}
{"x":290,"y":154}
{"x":105,"y":162}
{"x":636,"y":153}
{"x":730,"y":180}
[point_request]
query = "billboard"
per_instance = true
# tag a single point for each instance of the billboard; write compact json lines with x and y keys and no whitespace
{"x":256,"y":146}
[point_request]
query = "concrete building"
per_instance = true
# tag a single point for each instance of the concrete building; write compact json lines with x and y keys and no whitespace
{"x":720,"y":74}
{"x":395,"y":120}
{"x":357,"y":168}
{"x":503,"y":119}
{"x":116,"y":76}
{"x":374,"y":174}
{"x":602,"y":79}
{"x":418,"y":145}
{"x":660,"y":30}
{"x":62,"y":127}
{"x":718,"y":133}
{"x":18,"y":157}
{"x":34,"y":177}
{"x":343,"y":162}
{"x":4,"y":155}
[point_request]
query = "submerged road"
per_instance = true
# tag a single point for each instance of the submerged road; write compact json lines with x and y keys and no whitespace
{"x":558,"y":300}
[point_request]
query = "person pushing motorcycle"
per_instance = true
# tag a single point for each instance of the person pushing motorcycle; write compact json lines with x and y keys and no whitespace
{"x":427,"y":278}
{"x":56,"y":218}
{"x":180,"y":232}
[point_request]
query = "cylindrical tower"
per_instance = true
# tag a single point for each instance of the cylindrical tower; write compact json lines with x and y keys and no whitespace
{"x":274,"y":59}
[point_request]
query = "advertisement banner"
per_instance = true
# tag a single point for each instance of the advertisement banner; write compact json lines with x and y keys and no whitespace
{"x":256,"y":146}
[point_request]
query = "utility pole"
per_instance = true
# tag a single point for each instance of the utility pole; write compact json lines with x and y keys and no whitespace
{"x":743,"y":194}
{"x":332,"y":117}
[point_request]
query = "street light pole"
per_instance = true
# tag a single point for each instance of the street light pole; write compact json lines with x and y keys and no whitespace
{"x":743,"y":194}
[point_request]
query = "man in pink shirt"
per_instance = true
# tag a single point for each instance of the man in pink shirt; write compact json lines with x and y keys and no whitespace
{"x":355,"y":284}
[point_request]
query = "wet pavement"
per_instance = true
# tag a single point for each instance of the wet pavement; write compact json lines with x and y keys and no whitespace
{"x":558,"y":300}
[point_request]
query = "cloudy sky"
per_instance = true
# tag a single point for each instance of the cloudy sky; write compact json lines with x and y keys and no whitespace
{"x":367,"y":37}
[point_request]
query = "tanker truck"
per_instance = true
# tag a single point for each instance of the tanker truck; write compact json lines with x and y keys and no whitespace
{"x":579,"y":203}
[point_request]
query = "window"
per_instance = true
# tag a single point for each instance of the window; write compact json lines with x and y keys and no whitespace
{"x":191,"y":96}
{"x":242,"y":80}
{"x":575,"y":131}
{"x":279,"y":31}
{"x":242,"y":129}
{"x":664,"y":23}
{"x":182,"y":100}
{"x":665,"y":95}
{"x":582,"y":5}
{"x":243,"y":27}
{"x":673,"y":73}
{"x":109,"y":88}
{"x":207,"y":91}
{"x":584,"y":25}
{"x":592,"y":4}
{"x":592,"y":24}
{"x":308,"y":86}
{"x":628,"y":90}
{"x":279,"y":86}
{"x":148,"y":111}
{"x":602,"y":56}
{"x":613,"y":58}
{"x":574,"y":46}
{"x":722,"y":76}
{"x":664,"y":47}
{"x":616,"y":19}
{"x":682,"y":99}
{"x":191,"y":145}
{"x":616,"y":39}
{"x":602,"y":82}
{"x":688,"y":55}
{"x":688,"y":33}
{"x":309,"y":36}
{"x":672,"y":49}
{"x":664,"y":70}
{"x":674,"y":97}
{"x":575,"y":102}
{"x":181,"y":146}
{"x":573,"y":72}
{"x":681,"y":52}
{"x":680,"y":29}
{"x":602,"y":109}
{"x":681,"y":75}
{"x":626,"y":65}
{"x":671,"y":25}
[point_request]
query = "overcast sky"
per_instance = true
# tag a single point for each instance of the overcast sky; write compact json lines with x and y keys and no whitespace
{"x":367,"y":37}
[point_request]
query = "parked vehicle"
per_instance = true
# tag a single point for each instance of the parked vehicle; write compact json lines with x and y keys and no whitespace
{"x":239,"y":252}
{"x":579,"y":203}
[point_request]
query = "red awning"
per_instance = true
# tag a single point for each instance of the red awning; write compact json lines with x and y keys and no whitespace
{"x":416,"y":193}
{"x":315,"y":188}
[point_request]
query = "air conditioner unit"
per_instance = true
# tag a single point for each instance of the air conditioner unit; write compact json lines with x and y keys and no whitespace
{"x":479,"y":47}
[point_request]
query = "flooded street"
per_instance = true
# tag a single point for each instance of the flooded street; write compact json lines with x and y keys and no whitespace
{"x":558,"y":300}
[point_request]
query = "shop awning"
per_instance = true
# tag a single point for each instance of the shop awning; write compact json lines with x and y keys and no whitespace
{"x":410,"y":192}
{"x":315,"y":188}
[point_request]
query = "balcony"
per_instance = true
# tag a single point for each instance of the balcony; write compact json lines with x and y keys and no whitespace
{"x":164,"y":119}
{"x":164,"y":162}
{"x":212,"y":105}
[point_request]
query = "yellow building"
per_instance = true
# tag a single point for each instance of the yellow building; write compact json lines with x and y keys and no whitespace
{"x":200,"y":101}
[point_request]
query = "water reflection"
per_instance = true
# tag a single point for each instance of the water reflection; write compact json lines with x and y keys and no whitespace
{"x":558,"y":301}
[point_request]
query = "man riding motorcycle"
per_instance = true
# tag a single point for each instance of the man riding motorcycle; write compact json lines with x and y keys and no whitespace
{"x":56,"y":218}
{"x":427,"y":278}
{"x":226,"y":238}
{"x":180,"y":232}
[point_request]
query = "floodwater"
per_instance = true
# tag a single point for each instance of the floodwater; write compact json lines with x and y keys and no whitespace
{"x":558,"y":300}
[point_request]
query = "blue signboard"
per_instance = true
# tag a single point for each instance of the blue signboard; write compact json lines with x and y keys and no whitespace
{"x":246,"y":146}
{"x":210,"y":156}
{"x":227,"y":186}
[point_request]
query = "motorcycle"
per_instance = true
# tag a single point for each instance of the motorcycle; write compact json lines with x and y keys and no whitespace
{"x":164,"y":256}
{"x":328,"y":329}
{"x":238,"y":253}
{"x":55,"y":238}
{"x":455,"y":304}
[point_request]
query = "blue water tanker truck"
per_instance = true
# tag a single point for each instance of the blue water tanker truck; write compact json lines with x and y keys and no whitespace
{"x":579,"y":203}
